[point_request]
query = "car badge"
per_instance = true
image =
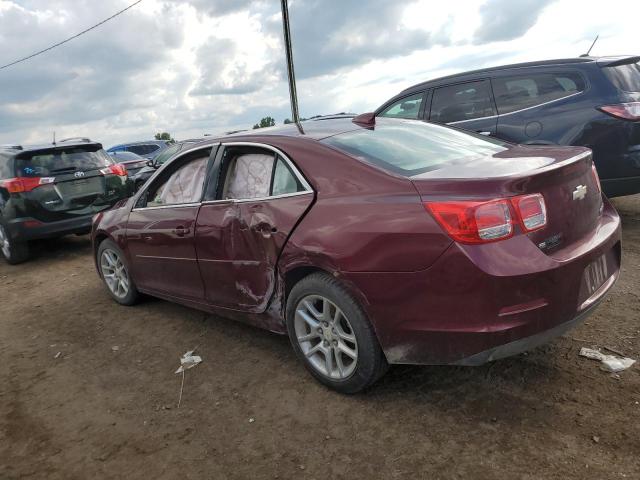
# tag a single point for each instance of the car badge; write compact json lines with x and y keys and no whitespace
{"x":81,"y":174}
{"x":580,"y":192}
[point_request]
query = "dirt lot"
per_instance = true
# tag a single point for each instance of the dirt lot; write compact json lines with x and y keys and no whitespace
{"x":106,"y":406}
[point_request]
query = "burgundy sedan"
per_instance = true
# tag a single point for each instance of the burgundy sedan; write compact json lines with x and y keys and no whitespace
{"x":371,"y":244}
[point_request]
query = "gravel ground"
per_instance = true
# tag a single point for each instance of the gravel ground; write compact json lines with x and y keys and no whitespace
{"x":88,"y":390}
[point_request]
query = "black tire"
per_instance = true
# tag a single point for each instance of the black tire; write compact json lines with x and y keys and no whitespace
{"x":13,"y":252}
{"x":371,"y":363}
{"x":132,"y":296}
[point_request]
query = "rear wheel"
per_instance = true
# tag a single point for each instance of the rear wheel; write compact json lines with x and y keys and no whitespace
{"x":12,"y":251}
{"x":330,"y":333}
{"x":115,"y":273}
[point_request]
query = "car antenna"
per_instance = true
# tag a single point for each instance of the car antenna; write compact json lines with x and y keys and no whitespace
{"x":290,"y":72}
{"x":589,"y":51}
{"x":54,"y":137}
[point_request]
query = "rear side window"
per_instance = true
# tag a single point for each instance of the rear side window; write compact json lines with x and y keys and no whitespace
{"x":143,"y":149}
{"x":411,"y":148}
{"x":461,"y":102}
{"x":524,"y":91}
{"x":5,"y":170}
{"x":53,"y":162}
{"x":407,"y":107}
{"x":624,"y":77}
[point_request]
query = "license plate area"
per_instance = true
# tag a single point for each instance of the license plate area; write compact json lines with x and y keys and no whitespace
{"x":596,"y":274}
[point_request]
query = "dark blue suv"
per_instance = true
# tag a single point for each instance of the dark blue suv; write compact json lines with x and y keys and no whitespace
{"x":588,"y":101}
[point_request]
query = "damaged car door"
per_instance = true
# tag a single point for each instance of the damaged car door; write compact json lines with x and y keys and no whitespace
{"x":241,"y":229}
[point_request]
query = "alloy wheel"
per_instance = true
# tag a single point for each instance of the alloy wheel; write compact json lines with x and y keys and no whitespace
{"x":5,"y":246}
{"x":114,"y":273}
{"x":326,"y":337}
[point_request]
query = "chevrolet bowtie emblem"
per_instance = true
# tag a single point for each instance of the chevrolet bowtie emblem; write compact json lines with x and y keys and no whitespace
{"x":580,"y":192}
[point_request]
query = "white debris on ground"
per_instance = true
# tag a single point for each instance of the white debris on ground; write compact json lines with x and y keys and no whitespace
{"x":610,"y":363}
{"x":188,"y":360}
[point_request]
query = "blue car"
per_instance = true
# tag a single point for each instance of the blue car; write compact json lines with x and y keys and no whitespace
{"x":587,"y":101}
{"x":148,"y":149}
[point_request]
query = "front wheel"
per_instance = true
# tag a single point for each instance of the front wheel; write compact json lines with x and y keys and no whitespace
{"x":332,"y":336}
{"x":115,"y":273}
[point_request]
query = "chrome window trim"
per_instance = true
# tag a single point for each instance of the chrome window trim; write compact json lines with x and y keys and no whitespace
{"x":257,"y":199}
{"x":175,"y":205}
{"x":294,"y":169}
{"x":516,"y":111}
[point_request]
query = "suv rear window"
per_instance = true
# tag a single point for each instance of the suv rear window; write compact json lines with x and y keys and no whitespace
{"x":411,"y":147}
{"x":51,"y":162}
{"x":523,"y":91}
{"x":624,"y":77}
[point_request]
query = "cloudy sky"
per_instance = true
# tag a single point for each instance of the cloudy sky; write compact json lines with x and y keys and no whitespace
{"x":205,"y":66}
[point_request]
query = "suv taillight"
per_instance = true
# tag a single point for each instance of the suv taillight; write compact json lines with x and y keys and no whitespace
{"x":483,"y":222}
{"x":116,"y":169}
{"x":625,"y":111}
{"x":25,"y":184}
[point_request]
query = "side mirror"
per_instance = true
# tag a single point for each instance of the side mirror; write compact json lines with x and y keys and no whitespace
{"x":151,"y":163}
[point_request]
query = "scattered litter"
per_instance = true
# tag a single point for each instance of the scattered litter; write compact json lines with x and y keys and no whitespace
{"x":251,"y":420}
{"x":57,"y":355}
{"x":595,"y":439}
{"x":115,"y":348}
{"x":613,"y":350}
{"x":187,"y":361}
{"x":610,"y":363}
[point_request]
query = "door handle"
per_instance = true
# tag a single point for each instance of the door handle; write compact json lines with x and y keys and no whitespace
{"x":481,"y":132}
{"x":180,"y":231}
{"x":264,"y":228}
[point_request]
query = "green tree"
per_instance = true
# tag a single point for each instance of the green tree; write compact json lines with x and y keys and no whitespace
{"x":164,"y":136}
{"x":265,"y":122}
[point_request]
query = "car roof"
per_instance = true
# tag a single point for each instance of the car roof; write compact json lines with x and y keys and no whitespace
{"x":142,"y":142}
{"x":16,"y":149}
{"x":314,"y":129}
{"x":539,"y":63}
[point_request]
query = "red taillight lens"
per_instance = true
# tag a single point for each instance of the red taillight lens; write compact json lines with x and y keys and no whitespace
{"x":626,"y":111}
{"x":531,"y":210}
{"x":596,"y":177}
{"x":484,"y":222}
{"x":116,"y":169}
{"x":474,"y":222}
{"x":25,"y":184}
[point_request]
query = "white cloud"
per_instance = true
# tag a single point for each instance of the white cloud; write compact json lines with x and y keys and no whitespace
{"x":195,"y":67}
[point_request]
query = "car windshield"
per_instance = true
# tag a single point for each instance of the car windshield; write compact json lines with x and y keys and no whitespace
{"x":410,"y":147}
{"x":44,"y":163}
{"x":625,"y":77}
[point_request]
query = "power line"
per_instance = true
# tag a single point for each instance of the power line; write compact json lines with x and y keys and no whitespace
{"x":70,"y":38}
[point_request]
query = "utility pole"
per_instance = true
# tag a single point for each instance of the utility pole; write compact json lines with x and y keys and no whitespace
{"x":290,"y":73}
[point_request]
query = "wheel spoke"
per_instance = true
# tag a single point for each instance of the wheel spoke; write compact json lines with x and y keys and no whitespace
{"x":326,"y":309}
{"x":349,"y":352}
{"x":346,"y":336}
{"x":309,"y":336}
{"x":340,"y":364}
{"x":328,"y":360}
{"x":311,"y":309}
{"x":312,"y":322}
{"x":314,"y":350}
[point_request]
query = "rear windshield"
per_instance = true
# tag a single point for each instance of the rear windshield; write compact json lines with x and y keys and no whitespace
{"x":624,"y":77}
{"x":411,"y":147}
{"x":43,"y":163}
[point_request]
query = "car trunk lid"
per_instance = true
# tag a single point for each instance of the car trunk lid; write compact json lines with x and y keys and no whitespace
{"x":564,"y":177}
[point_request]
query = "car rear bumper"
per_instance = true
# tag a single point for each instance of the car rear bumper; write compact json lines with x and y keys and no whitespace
{"x":24,"y":229}
{"x":477,"y":304}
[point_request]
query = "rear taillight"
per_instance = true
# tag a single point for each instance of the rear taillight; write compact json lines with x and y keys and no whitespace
{"x":488,"y":221}
{"x":474,"y":222}
{"x":116,"y":169}
{"x":531,"y":211}
{"x":596,"y":177}
{"x":25,"y":184}
{"x":625,"y":111}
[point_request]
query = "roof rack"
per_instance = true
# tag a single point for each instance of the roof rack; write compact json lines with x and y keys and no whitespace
{"x":75,"y":139}
{"x":11,"y":147}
